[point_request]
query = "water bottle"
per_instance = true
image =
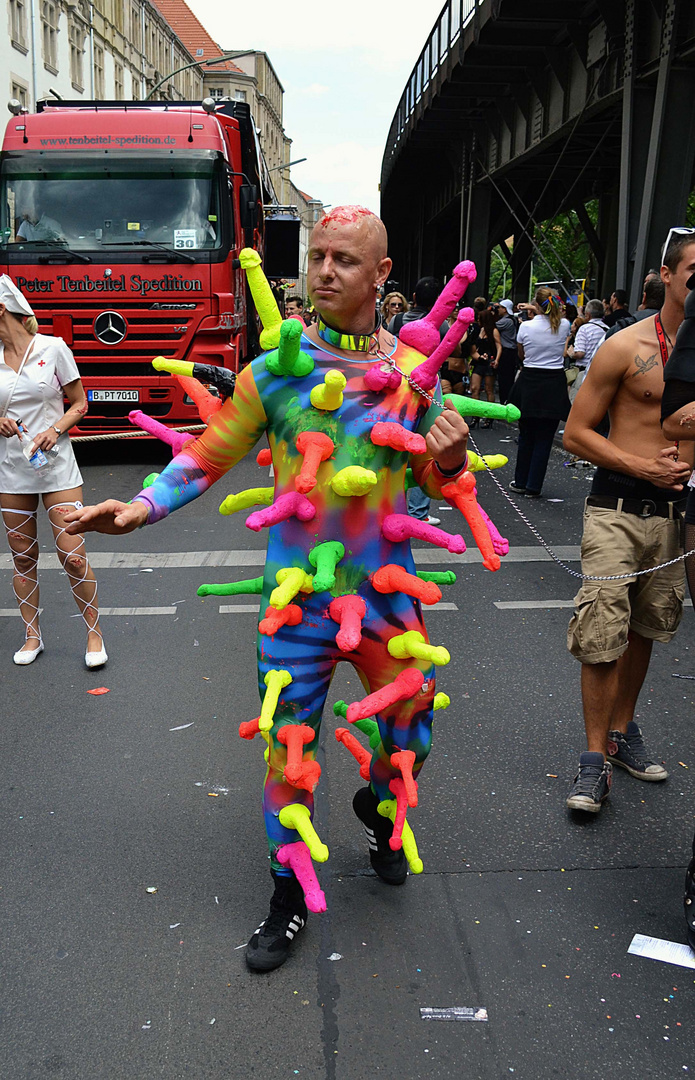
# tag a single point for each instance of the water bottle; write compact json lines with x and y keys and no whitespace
{"x":38,"y":459}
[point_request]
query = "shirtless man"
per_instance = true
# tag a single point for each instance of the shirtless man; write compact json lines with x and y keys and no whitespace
{"x":632,"y":520}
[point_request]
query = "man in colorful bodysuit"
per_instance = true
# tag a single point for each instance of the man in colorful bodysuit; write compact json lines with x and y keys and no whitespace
{"x":339,"y":507}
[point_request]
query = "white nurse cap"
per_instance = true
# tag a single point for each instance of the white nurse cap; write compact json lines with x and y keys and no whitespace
{"x":12,"y":298}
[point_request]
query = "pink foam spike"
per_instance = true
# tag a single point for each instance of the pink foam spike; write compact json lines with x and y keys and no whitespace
{"x":362,"y":756}
{"x":386,"y":433}
{"x":397,"y":788}
{"x":377,"y":379}
{"x":423,"y":334}
{"x":425,"y":374}
{"x":291,"y":504}
{"x":399,"y":527}
{"x":500,"y":543}
{"x":461,"y":494}
{"x":404,"y":760}
{"x":404,"y":686}
{"x":348,"y":611}
{"x":175,"y":439}
{"x":297,"y":857}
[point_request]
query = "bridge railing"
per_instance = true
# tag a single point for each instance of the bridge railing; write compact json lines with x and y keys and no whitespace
{"x":445,"y":34}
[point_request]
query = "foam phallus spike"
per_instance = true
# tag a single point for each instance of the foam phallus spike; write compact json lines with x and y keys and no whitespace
{"x":404,"y":760}
{"x":328,"y":395}
{"x":324,"y":558}
{"x":264,"y":457}
{"x":275,"y":680}
{"x":233,"y":588}
{"x":393,"y":578}
{"x":439,"y":577}
{"x":220,"y":377}
{"x":487,"y":461}
{"x":500,"y":543}
{"x":290,"y":581}
{"x":353,"y":481}
{"x":175,"y":439}
{"x":426,"y":373}
{"x":243,"y":499}
{"x":381,"y":378}
{"x":348,"y":611}
{"x":297,"y":817}
{"x":368,"y":727}
{"x":468,"y":406}
{"x":361,"y":756}
{"x":295,"y":737}
{"x":206,"y":403}
{"x":404,"y":686}
{"x":315,"y":447}
{"x":441,"y":701}
{"x":265,"y":302}
{"x":298,"y":857}
{"x":340,"y":708}
{"x":423,"y":334}
{"x":388,"y":433}
{"x":274,"y":619}
{"x":400,"y":527}
{"x":412,"y":644}
{"x":248,"y":729}
{"x":461,"y":494}
{"x":291,"y":504}
{"x":289,"y":358}
{"x":149,"y":480}
{"x":405,"y":838}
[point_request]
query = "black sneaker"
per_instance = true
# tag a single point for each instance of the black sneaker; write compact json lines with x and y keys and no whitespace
{"x":270,"y":945}
{"x":629,"y":753}
{"x":592,"y":784}
{"x":391,"y":866}
{"x":517,"y":487}
{"x":689,"y":901}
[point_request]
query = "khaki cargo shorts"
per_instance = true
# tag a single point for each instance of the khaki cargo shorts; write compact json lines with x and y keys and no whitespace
{"x":652,"y":605}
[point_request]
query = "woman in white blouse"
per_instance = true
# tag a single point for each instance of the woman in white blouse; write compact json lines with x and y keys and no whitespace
{"x":36,"y":372}
{"x":540,"y":392}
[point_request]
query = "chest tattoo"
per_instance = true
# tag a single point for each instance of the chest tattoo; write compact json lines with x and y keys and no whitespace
{"x":643,"y":366}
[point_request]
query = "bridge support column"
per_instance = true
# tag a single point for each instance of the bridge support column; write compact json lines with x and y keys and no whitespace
{"x":477,"y":243}
{"x":522,"y":263}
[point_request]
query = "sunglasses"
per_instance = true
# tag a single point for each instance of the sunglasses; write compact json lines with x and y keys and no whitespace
{"x":678,"y":230}
{"x":395,"y":303}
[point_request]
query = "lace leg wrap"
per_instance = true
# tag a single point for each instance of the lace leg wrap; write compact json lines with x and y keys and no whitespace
{"x":73,"y":556}
{"x":21,"y":534}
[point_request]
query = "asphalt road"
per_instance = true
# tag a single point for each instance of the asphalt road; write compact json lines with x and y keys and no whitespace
{"x":523,"y":909}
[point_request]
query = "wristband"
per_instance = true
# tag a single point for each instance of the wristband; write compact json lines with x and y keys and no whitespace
{"x":454,"y":472}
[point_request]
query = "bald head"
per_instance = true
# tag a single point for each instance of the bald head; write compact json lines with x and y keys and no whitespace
{"x":359,"y":221}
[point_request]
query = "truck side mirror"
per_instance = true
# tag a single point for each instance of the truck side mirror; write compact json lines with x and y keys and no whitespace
{"x":248,"y":207}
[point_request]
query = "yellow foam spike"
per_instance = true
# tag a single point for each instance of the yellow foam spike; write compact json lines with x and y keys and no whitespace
{"x":275,"y":681}
{"x":266,"y":304}
{"x":298,"y":817}
{"x":441,"y":701}
{"x":412,"y":643}
{"x":328,"y":395}
{"x":243,"y":499}
{"x":493,"y":461}
{"x":174,"y":367}
{"x":353,"y":480}
{"x":291,"y":580}
{"x":387,"y":809}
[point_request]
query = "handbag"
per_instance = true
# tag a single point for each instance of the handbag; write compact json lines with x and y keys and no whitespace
{"x":571,"y":373}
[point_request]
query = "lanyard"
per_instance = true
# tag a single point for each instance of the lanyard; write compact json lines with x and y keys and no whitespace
{"x":663,"y":347}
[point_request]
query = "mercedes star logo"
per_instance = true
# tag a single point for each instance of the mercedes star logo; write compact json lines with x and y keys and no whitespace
{"x":110,"y":327}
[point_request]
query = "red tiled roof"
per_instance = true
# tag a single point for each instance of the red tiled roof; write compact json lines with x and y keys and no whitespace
{"x":193,"y":34}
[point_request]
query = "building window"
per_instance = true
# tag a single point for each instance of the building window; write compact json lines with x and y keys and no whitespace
{"x":18,"y":24}
{"x":240,"y":95}
{"x":118,"y":14}
{"x":49,"y":19}
{"x":98,"y":72}
{"x":20,"y":94}
{"x":216,"y":92}
{"x":135,"y":90}
{"x":118,"y":80}
{"x":135,"y":27}
{"x":76,"y":38}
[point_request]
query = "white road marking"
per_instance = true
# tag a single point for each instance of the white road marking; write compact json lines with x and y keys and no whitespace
{"x":539,"y":605}
{"x":235,"y":609}
{"x":137,"y":611}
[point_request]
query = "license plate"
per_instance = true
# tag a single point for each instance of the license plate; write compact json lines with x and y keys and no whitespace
{"x":113,"y":395}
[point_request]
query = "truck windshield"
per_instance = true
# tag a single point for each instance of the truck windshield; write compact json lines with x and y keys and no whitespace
{"x":92,"y":202}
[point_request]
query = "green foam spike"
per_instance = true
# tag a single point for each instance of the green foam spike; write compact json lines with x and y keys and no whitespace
{"x":467,"y":406}
{"x":289,"y":359}
{"x":149,"y":480}
{"x":233,"y":588}
{"x":324,"y":558}
{"x":409,"y":479}
{"x":340,"y":709}
{"x":370,"y":728}
{"x":439,"y":577}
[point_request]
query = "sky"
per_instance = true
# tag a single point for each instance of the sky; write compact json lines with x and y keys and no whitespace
{"x":343,"y":76}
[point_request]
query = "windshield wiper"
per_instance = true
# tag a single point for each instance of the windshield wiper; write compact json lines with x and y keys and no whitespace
{"x":174,"y":252}
{"x":61,"y":249}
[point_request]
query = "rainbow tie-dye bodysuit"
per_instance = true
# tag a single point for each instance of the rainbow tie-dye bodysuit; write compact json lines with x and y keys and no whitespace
{"x":281,"y":407}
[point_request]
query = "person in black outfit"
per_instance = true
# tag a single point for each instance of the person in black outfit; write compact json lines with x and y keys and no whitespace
{"x":618,"y":306}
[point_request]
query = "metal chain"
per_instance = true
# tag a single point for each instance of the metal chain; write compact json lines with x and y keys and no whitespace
{"x":529,"y":525}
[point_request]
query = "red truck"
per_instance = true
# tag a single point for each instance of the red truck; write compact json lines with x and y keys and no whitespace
{"x":121,"y":223}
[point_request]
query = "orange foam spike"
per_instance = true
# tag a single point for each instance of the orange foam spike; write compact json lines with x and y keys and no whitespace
{"x":205,"y":402}
{"x":316,"y":447}
{"x":393,"y":578}
{"x":264,"y":457}
{"x":404,"y":760}
{"x":362,"y":756}
{"x":397,"y":788}
{"x":387,"y":433}
{"x":274,"y":619}
{"x":294,"y":737}
{"x":249,"y":728}
{"x":404,"y":686}
{"x":308,"y":776}
{"x":461,"y":494}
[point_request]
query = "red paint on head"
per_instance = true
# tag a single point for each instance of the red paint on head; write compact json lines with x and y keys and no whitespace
{"x":345,"y":215}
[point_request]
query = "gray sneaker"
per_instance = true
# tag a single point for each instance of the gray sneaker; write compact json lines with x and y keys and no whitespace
{"x":592,"y":784}
{"x":629,"y":753}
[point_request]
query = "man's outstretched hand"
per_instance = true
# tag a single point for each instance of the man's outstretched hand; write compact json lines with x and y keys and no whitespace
{"x":111,"y":516}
